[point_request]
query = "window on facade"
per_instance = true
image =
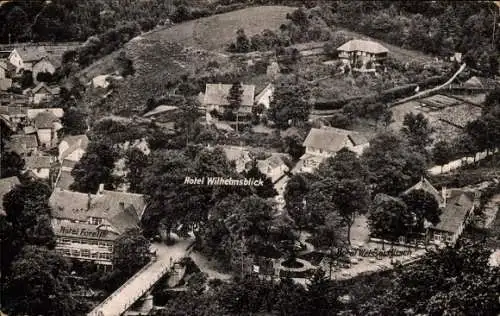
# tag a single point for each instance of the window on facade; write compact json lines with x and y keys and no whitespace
{"x":65,"y":240}
{"x":66,"y":252}
{"x":104,"y":255}
{"x":94,"y":255}
{"x":95,"y":220}
{"x":449,"y":238}
{"x":85,"y":253}
{"x":437,"y":236}
{"x":75,"y":252}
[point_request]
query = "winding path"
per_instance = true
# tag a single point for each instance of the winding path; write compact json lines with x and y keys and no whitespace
{"x":426,"y":92}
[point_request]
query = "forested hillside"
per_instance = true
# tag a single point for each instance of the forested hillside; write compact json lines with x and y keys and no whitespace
{"x":436,"y":27}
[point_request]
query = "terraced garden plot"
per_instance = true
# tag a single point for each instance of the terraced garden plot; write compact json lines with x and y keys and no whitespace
{"x":459,"y":115}
{"x":439,"y":101}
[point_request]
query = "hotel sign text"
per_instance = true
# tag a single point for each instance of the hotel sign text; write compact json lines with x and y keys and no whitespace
{"x":82,"y":232}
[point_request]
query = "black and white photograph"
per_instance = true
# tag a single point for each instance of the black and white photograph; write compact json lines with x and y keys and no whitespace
{"x":249,"y":158}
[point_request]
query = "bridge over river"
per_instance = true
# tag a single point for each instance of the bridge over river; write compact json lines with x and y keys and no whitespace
{"x":141,"y":282}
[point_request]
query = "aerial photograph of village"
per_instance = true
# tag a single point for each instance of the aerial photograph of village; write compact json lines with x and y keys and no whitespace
{"x":249,"y":157}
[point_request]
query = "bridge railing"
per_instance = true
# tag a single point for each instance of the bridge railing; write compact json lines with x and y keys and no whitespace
{"x":124,"y":285}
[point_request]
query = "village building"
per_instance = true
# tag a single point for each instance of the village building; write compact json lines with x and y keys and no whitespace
{"x":39,"y":166}
{"x":457,"y":207}
{"x":16,"y":115}
{"x":273,"y":167}
{"x":6,"y":185}
{"x":265,"y":96}
{"x":64,"y":179}
{"x":47,"y":124}
{"x":325,"y":142}
{"x":3,"y":69}
{"x":72,"y":147}
{"x":426,"y":186}
{"x":87,"y":225}
{"x":216,"y":95}
{"x":362,"y":55}
{"x":239,"y":156}
{"x":48,"y":64}
{"x":32,"y":113}
{"x":23,"y":145}
{"x":41,"y":93}
{"x":24,"y":58}
{"x":163,"y":113}
{"x":457,"y":211}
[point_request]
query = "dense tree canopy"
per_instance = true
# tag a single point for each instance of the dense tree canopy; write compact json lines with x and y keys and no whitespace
{"x":392,"y":168}
{"x":12,"y":164}
{"x":289,"y":106}
{"x":27,"y":220}
{"x":74,"y":121}
{"x":38,"y":281}
{"x":95,"y":167}
{"x":131,"y":252}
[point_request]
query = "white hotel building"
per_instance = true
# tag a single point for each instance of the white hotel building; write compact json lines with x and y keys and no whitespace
{"x":87,"y":225}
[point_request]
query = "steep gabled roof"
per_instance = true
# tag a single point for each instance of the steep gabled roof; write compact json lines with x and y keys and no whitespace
{"x":45,"y":120}
{"x":426,"y":186}
{"x":21,"y":143}
{"x":333,"y":139}
{"x":108,"y":203}
{"x":455,"y":212}
{"x":161,"y":109}
{"x":69,"y":205}
{"x":74,"y":142}
{"x":363,"y":46}
{"x":217,"y":94}
{"x":36,"y":162}
{"x":31,"y":53}
{"x":43,"y":85}
{"x":32,"y":113}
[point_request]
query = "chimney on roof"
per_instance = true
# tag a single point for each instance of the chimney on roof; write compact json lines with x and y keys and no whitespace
{"x":89,"y":200}
{"x":444,"y":194}
{"x":101,"y":189}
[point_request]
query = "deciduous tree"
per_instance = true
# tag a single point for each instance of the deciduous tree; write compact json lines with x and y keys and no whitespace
{"x":417,"y":129}
{"x":131,"y":252}
{"x":424,"y":207}
{"x":392,"y":168}
{"x":38,"y":283}
{"x":289,"y":107}
{"x":95,"y":167}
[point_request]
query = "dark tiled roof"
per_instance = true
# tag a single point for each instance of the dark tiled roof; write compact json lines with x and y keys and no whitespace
{"x":110,"y":201}
{"x":36,"y":162}
{"x":21,"y":143}
{"x":13,"y":110}
{"x":333,"y":139}
{"x":426,"y":186}
{"x":455,"y":212}
{"x":217,"y":94}
{"x":6,"y":184}
{"x":69,"y":205}
{"x":65,"y":180}
{"x":75,"y":206}
{"x":45,"y":120}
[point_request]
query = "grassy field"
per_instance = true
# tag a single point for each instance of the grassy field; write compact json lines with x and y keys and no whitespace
{"x":215,"y":32}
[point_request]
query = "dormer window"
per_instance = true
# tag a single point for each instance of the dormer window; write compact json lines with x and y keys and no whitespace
{"x":95,"y":220}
